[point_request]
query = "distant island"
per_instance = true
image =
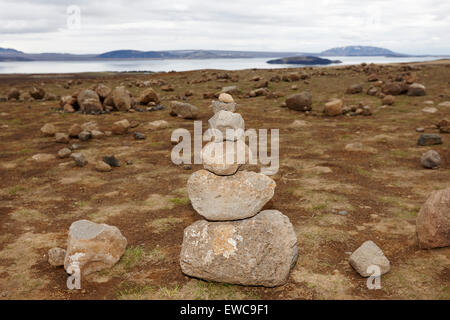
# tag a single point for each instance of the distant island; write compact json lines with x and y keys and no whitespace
{"x":16,"y":55}
{"x":303,"y":60}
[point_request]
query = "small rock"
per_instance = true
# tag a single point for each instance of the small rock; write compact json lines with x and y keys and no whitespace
{"x":121,"y":127}
{"x":56,"y":256}
{"x":75,"y":130}
{"x":416,"y":89}
{"x":183,"y":110}
{"x":61,"y":137}
{"x":388,"y":100}
{"x":420,"y":129}
{"x":334,"y":107}
{"x":139,"y":136}
{"x":79,"y":159}
{"x":93,"y":246}
{"x":112,"y":161}
{"x":48,"y":130}
{"x":366,"y":255}
{"x":225,"y":158}
{"x":433,"y":221}
{"x":102,"y":166}
{"x":356,"y":88}
{"x":43,"y":157}
{"x":85,"y":136}
{"x":157,"y":125}
{"x":430,"y":110}
{"x":300,"y":101}
{"x":431,"y":160}
{"x":64,"y":153}
{"x":428,"y":139}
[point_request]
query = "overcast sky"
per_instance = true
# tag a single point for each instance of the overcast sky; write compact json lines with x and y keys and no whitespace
{"x":406,"y":26}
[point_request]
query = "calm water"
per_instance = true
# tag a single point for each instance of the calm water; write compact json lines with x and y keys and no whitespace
{"x":169,"y":65}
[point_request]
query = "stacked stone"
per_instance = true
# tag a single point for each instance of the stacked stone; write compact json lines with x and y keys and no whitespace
{"x":237,"y":243}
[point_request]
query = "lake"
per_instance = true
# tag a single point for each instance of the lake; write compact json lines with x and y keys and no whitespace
{"x":173,"y":64}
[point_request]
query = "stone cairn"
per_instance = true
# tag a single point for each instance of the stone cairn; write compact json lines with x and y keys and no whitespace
{"x":237,"y":243}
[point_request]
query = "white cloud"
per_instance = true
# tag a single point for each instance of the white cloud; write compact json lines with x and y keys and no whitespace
{"x":420,"y":26}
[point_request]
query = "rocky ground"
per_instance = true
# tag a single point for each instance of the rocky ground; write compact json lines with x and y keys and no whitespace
{"x":342,"y":180}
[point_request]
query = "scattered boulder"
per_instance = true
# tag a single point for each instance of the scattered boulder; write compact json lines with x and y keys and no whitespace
{"x":259,"y":251}
{"x":102,"y":166}
{"x":433,"y":221}
{"x":416,"y":89}
{"x":359,"y":147}
{"x":388,"y":100}
{"x":430,"y":110}
{"x":300,"y":101}
{"x":121,"y":99}
{"x":334,"y":107}
{"x":139,"y":136}
{"x":85,"y":136}
{"x":61,"y":137}
{"x":394,"y":89}
{"x":14,"y":94}
{"x":149,"y":95}
{"x":353,"y":89}
{"x":157,"y":125}
{"x":183,"y":110}
{"x":215,"y":197}
{"x":444,"y":126}
{"x":112,"y":161}
{"x":102,"y":91}
{"x":121,"y":127}
{"x":79,"y":159}
{"x":43,"y":157}
{"x":75,"y":130}
{"x":445,"y":104}
{"x":64,"y":153}
{"x":93,"y":247}
{"x":37,"y":93}
{"x":89,"y":102}
{"x":366,"y":255}
{"x":431,"y":160}
{"x":429,"y":139}
{"x":56,"y":256}
{"x":48,"y":130}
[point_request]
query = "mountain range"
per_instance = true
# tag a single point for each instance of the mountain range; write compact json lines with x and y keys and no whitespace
{"x":15,"y":55}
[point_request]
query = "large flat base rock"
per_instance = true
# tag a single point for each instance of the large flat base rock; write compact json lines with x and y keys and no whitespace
{"x":259,"y":251}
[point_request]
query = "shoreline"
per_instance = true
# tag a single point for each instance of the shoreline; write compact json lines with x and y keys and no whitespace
{"x":90,"y":74}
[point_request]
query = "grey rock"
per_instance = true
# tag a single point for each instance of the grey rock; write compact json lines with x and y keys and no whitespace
{"x":139,"y":136}
{"x":112,"y":161}
{"x":79,"y":159}
{"x":64,"y":153}
{"x":300,"y":101}
{"x":93,"y":246}
{"x":431,"y":159}
{"x":56,"y":256}
{"x":219,"y":106}
{"x":232,"y":197}
{"x":416,"y":89}
{"x":259,"y":251}
{"x":183,"y":110}
{"x":428,"y":139}
{"x":85,"y":136}
{"x":366,"y":255}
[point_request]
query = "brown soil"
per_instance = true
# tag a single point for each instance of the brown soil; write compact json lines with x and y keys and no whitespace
{"x":147,"y":199}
